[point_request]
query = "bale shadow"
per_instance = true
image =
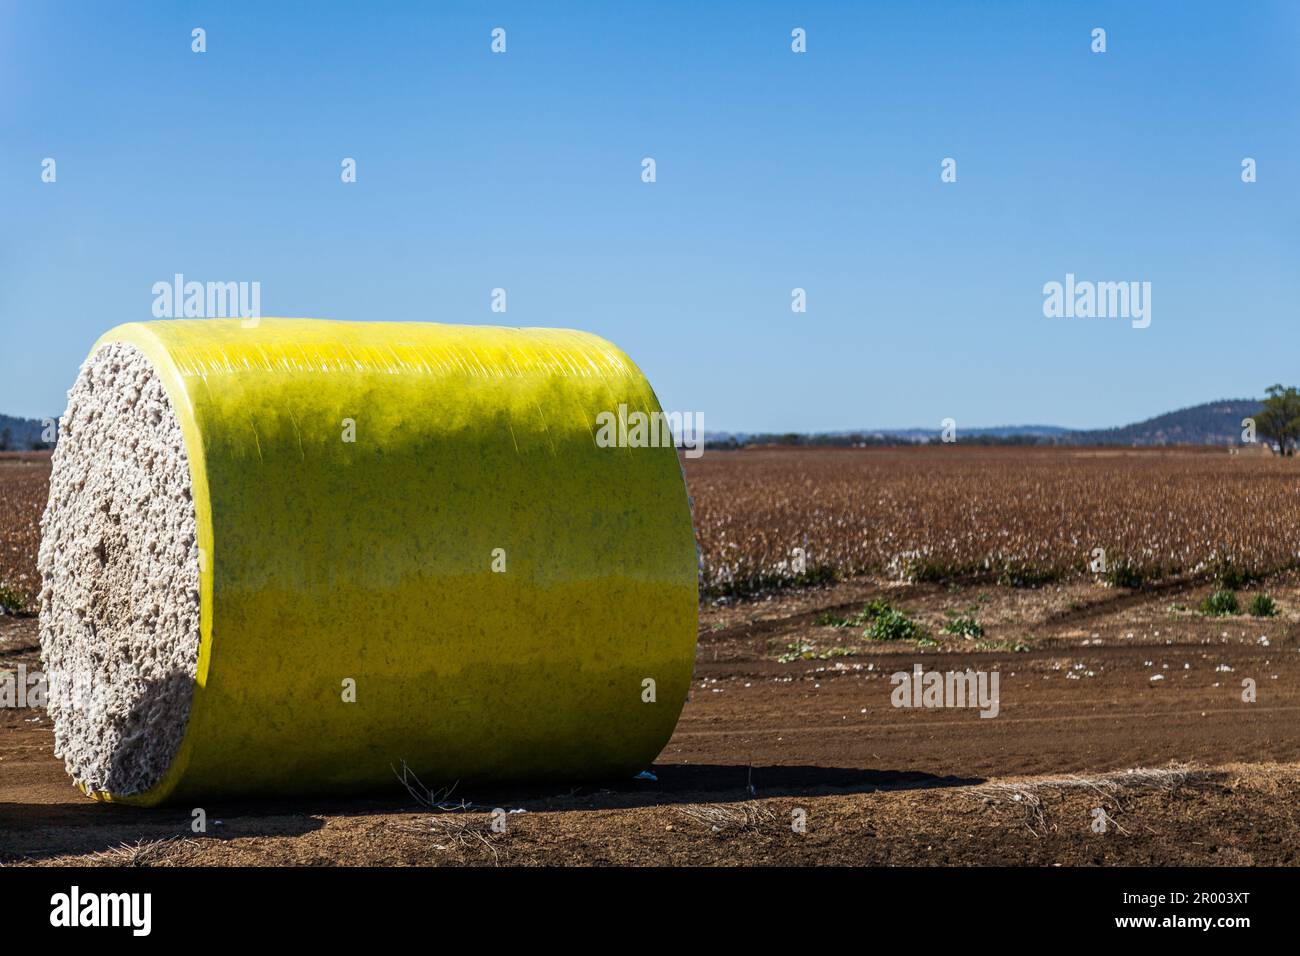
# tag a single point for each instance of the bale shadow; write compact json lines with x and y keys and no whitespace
{"x":708,"y":783}
{"x":673,"y":784}
{"x":34,"y":832}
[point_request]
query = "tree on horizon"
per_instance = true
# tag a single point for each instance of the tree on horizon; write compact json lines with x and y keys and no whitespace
{"x":1280,"y":419}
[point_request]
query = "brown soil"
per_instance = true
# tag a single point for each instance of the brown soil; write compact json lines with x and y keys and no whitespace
{"x":762,"y":743}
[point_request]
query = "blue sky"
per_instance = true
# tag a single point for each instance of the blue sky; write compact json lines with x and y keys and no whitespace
{"x":774,"y":170}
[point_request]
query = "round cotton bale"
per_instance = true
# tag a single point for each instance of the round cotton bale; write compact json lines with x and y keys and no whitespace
{"x":291,"y":556}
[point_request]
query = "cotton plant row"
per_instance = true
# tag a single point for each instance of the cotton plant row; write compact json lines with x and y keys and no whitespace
{"x":1022,"y":517}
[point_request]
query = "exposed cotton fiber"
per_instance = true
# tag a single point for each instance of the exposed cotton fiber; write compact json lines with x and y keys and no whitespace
{"x":120,"y":577}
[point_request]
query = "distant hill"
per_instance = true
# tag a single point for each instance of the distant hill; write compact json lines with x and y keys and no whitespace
{"x":24,"y":433}
{"x":1212,"y":423}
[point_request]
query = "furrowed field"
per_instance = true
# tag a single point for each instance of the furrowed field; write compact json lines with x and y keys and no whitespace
{"x":1019,"y":516}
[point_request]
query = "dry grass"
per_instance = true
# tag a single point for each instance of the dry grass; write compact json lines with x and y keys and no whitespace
{"x":143,"y":853}
{"x":1107,"y":790}
{"x":434,"y":799}
{"x":464,"y":831}
{"x":458,"y":825}
{"x":461,"y":832}
{"x":748,"y":816}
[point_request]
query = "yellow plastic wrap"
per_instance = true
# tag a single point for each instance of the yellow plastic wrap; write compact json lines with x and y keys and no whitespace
{"x":326,"y":560}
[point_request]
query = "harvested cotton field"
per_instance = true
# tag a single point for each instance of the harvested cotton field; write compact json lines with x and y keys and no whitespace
{"x":1134,"y":725}
{"x":1009,"y":515}
{"x":24,"y":485}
